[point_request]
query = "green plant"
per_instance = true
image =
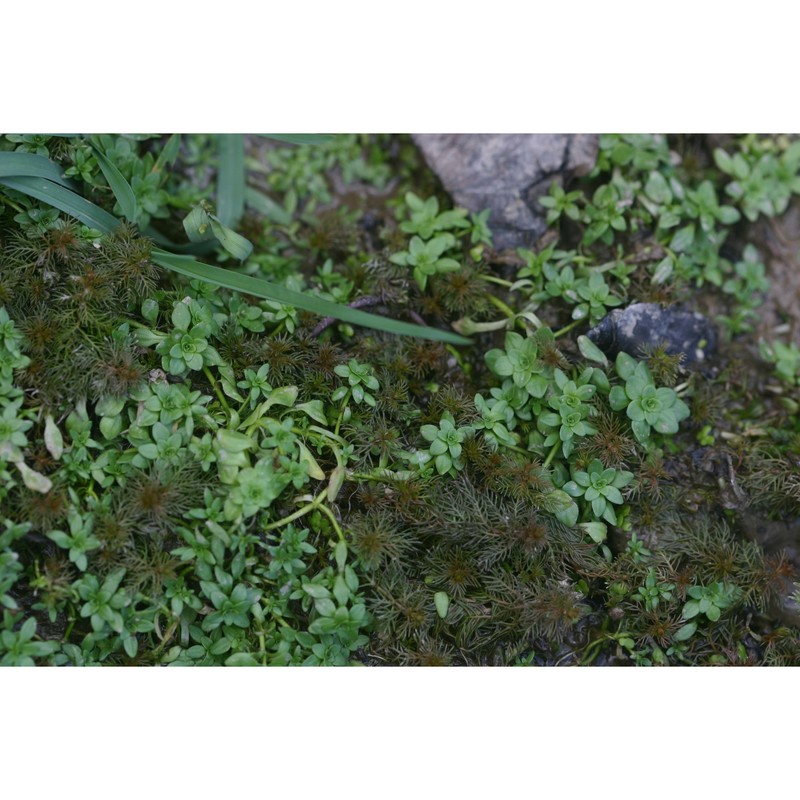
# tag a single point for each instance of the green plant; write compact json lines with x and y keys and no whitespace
{"x":710,"y":601}
{"x":426,"y":257}
{"x":645,"y":405}
{"x":786,"y":359}
{"x":17,"y":647}
{"x":654,"y":591}
{"x":426,"y":220}
{"x":446,"y":442}
{"x":519,"y":360}
{"x":600,"y":487}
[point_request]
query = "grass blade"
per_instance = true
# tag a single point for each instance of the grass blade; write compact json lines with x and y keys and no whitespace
{"x":168,"y":154}
{"x":64,"y":200}
{"x":300,"y":138}
{"x":265,"y":205}
{"x":119,"y":186}
{"x":14,"y":165}
{"x":230,"y":179}
{"x":185,"y":265}
{"x":199,"y":249}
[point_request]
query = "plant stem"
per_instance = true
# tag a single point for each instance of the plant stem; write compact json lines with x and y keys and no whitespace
{"x":217,"y":390}
{"x":498,"y":303}
{"x":341,"y":412}
{"x":551,"y":454}
{"x":315,"y":503}
{"x":568,"y":328}
{"x":498,"y":281}
{"x":329,"y":514}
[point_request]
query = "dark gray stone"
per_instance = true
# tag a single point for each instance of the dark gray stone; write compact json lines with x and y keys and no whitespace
{"x":507,"y":173}
{"x":644,"y":325}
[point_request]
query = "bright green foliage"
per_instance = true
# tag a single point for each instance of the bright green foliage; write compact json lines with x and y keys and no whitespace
{"x":786,"y":359}
{"x":257,"y":487}
{"x":646,"y":406}
{"x":187,"y":347}
{"x":17,"y":648}
{"x":426,"y":258}
{"x":519,"y":361}
{"x":426,"y":220}
{"x":604,"y":215}
{"x":480,"y":232}
{"x":359,"y":379}
{"x":763,"y":179}
{"x":446,"y":444}
{"x":601,"y":488}
{"x":103,"y":601}
{"x":79,"y":541}
{"x":497,"y":421}
{"x":710,"y":601}
{"x":571,"y":417}
{"x":558,"y":203}
{"x":12,"y":431}
{"x":654,"y":591}
{"x":597,"y":298}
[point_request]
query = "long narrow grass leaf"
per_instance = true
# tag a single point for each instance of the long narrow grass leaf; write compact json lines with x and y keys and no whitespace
{"x":198,"y":249}
{"x":119,"y":186}
{"x":168,"y":153}
{"x":64,"y":200}
{"x":230,"y":179}
{"x":300,"y":138}
{"x":14,"y":165}
{"x":265,"y":205}
{"x":186,"y":265}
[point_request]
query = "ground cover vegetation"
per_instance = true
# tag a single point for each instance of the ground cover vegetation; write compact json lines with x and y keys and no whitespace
{"x":277,"y":402}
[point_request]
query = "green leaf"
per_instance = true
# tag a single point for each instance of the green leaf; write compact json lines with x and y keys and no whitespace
{"x":340,"y":554}
{"x":121,"y":188}
{"x":591,"y":351}
{"x":657,"y":189}
{"x":64,"y":200}
{"x":314,"y":470}
{"x":168,"y":153}
{"x":316,"y":591}
{"x":241,"y":660}
{"x":340,"y":590}
{"x":34,"y":480}
{"x":685,"y":632}
{"x":258,"y":201}
{"x":230,"y":179}
{"x":683,"y":239}
{"x":442,"y":603}
{"x":181,"y":316}
{"x":234,"y":243}
{"x":196,"y":224}
{"x":335,"y":483}
{"x":597,"y":531}
{"x":236,"y":281}
{"x":663,"y":271}
{"x":14,"y":165}
{"x":53,"y":440}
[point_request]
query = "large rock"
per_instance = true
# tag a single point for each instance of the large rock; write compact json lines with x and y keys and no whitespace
{"x":507,"y":173}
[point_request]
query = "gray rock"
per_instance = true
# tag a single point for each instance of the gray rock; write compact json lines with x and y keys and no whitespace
{"x":644,"y":325}
{"x":507,"y":173}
